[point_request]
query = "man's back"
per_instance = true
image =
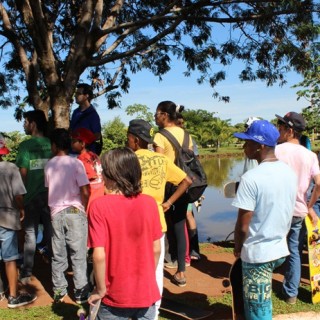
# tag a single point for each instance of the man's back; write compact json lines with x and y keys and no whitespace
{"x":157,"y":170}
{"x":11,"y":185}
{"x":64,"y":176}
{"x":127,"y":228}
{"x":32,"y":155}
{"x":305,"y":164}
{"x":269,"y":190}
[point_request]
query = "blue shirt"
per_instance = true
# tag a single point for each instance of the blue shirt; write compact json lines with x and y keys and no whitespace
{"x":269,"y":190}
{"x":88,"y":119}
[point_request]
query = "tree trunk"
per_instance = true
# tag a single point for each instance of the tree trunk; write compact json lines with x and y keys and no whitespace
{"x":61,"y":113}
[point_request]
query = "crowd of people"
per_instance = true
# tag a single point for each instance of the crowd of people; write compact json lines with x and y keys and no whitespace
{"x":129,"y":212}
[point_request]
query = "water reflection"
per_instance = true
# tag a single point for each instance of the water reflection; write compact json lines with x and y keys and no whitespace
{"x":217,"y":217}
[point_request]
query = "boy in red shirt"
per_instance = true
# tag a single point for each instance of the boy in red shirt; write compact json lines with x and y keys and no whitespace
{"x":81,"y":138}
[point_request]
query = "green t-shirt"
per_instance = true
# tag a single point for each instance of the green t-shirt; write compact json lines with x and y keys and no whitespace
{"x":33,"y":154}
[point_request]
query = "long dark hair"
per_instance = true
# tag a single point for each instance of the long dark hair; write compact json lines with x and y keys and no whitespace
{"x":122,"y":168}
{"x":171,"y":109}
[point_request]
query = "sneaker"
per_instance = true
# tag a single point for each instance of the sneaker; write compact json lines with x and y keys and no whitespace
{"x":82,"y":295}
{"x":171,"y":265}
{"x":188,"y":264}
{"x":25,"y":280}
{"x":291,"y":300}
{"x":59,"y":294}
{"x":21,"y":300}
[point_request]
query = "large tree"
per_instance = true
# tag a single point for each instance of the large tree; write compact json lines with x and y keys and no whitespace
{"x":48,"y":45}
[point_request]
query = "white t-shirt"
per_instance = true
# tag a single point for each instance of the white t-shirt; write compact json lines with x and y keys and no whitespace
{"x":269,"y":190}
{"x":64,"y":175}
{"x":306,"y":166}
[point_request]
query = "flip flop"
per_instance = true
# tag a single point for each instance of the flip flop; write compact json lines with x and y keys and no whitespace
{"x":179,"y":282}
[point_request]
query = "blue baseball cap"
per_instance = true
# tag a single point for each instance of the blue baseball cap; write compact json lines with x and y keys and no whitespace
{"x":261,"y":131}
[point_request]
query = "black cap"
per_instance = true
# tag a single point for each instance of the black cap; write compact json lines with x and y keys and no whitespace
{"x":142,"y":129}
{"x":293,"y":120}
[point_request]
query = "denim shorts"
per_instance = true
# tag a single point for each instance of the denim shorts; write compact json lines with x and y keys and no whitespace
{"x":113,"y":313}
{"x":8,"y":245}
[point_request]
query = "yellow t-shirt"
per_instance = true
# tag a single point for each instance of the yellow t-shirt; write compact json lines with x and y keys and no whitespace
{"x":162,"y":142}
{"x":157,"y":169}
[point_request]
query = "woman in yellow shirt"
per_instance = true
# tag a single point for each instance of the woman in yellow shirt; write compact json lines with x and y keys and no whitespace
{"x":165,"y":117}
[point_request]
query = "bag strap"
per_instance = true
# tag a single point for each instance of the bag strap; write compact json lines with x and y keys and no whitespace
{"x":172,"y":139}
{"x":186,"y":138}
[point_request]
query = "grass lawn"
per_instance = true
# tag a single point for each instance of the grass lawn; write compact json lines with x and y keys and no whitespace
{"x":68,"y":311}
{"x":219,"y":305}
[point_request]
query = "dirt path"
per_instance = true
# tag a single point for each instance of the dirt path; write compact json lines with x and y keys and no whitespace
{"x":204,"y":279}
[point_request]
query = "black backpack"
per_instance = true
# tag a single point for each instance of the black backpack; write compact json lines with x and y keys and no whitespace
{"x":189,"y":163}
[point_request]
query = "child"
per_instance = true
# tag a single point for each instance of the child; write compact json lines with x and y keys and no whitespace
{"x":67,"y":181}
{"x":11,"y":214}
{"x":124,"y":232}
{"x":81,"y":138}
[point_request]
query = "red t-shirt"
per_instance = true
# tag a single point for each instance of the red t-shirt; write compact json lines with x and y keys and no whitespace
{"x":127,"y":228}
{"x":93,"y":169}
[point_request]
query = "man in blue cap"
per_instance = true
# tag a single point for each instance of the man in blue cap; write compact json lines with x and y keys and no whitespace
{"x":265,"y":198}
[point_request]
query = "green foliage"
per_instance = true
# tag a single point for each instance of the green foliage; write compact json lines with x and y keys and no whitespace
{"x":49,"y":45}
{"x":208,"y":129}
{"x":310,"y":89}
{"x":13,"y":139}
{"x":140,"y":111}
{"x":114,"y":134}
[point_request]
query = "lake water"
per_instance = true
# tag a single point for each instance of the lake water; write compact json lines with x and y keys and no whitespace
{"x":217,"y":217}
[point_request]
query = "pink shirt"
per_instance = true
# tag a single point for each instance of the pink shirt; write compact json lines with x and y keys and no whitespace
{"x":64,"y":175}
{"x":306,"y":166}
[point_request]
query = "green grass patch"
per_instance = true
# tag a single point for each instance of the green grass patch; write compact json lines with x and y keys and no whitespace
{"x":52,"y":312}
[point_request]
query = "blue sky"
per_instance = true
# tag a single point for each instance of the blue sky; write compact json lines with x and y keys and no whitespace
{"x":246,"y":99}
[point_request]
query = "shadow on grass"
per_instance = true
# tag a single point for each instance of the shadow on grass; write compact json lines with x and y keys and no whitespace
{"x":66,"y":311}
{"x":220,"y":308}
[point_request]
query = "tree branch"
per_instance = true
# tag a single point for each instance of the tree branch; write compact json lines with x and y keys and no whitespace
{"x":138,"y":47}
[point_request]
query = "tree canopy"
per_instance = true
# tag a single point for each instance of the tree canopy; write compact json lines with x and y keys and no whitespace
{"x":47,"y":46}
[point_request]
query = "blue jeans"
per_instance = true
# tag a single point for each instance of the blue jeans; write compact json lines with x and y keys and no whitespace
{"x":69,"y":229}
{"x":8,"y":245}
{"x":257,"y":289}
{"x":36,"y":212}
{"x":292,"y":274}
{"x":112,"y":313}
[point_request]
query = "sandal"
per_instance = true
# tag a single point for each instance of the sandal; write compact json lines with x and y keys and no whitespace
{"x":195,"y":256}
{"x":179,"y":282}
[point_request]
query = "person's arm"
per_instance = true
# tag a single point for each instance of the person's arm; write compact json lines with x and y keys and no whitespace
{"x":159,"y":149}
{"x":241,"y":230}
{"x":84,"y":192}
{"x":99,"y":269}
{"x":23,"y":173}
{"x":19,"y":201}
{"x":314,"y":197}
{"x":182,"y":188}
{"x":97,"y":135}
{"x":156,"y":252}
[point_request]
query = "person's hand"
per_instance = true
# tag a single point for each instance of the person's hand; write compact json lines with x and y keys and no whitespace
{"x":21,"y":214}
{"x":166,"y":206}
{"x":313,"y":216}
{"x":95,"y":296}
{"x":236,"y":254}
